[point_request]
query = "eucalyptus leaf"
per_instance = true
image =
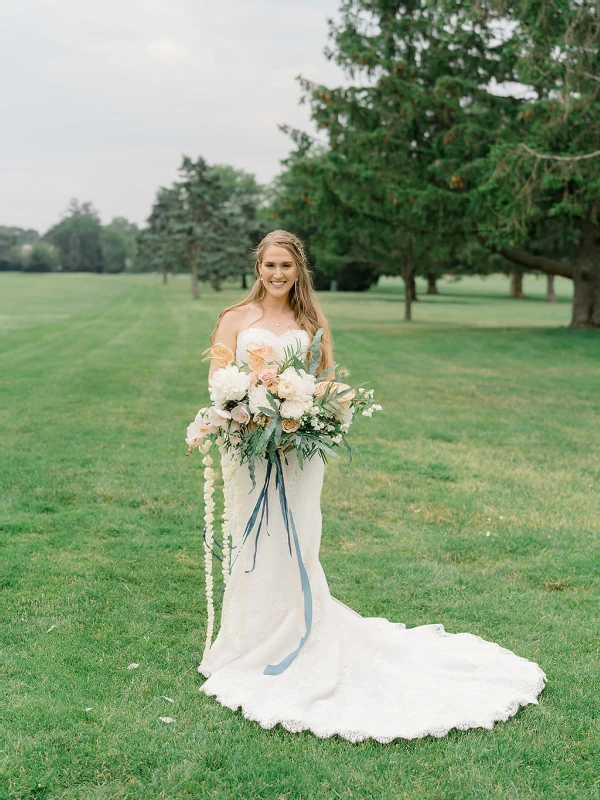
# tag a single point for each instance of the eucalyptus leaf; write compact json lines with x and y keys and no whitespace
{"x":315,"y":352}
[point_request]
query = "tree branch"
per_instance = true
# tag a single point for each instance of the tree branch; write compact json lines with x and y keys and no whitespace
{"x":531,"y":152}
{"x":548,"y":265}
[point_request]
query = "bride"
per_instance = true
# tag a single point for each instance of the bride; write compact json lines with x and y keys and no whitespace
{"x":288,"y":652}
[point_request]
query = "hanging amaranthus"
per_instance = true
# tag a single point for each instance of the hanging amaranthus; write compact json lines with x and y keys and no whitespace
{"x":209,"y":508}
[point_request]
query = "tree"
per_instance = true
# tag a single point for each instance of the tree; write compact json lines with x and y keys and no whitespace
{"x":544,"y":174}
{"x":246,"y":197}
{"x":204,"y":220}
{"x":78,"y":238}
{"x":417,"y":104}
{"x":12,"y":240}
{"x":158,"y":246}
{"x":117,"y":247}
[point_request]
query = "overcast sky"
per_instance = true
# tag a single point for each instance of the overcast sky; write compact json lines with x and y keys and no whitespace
{"x":100,"y":98}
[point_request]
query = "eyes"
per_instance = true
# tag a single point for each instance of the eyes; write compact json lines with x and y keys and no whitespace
{"x":270,"y":265}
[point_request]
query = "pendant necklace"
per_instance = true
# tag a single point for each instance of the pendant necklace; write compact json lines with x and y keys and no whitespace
{"x":272,"y":317}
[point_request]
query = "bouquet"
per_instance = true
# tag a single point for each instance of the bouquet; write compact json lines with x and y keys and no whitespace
{"x":265,"y":406}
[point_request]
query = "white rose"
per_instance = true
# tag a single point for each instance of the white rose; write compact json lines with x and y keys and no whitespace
{"x":304,"y":384}
{"x":228,"y":384}
{"x":257,"y":398}
{"x":292,"y":408}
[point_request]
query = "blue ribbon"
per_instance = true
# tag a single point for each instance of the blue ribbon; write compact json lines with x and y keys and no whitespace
{"x":260,"y":513}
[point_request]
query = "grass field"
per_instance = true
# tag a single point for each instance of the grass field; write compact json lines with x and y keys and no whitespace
{"x":480,"y":512}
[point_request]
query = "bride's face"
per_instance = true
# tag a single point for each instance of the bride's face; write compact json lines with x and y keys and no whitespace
{"x":278,"y":271}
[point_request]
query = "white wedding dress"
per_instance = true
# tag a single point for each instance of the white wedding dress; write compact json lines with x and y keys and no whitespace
{"x":355,"y":677}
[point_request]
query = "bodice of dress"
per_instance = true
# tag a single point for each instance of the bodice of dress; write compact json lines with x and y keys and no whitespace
{"x":279,"y":341}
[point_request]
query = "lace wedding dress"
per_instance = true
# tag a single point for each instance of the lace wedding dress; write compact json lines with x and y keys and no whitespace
{"x":352,"y":676}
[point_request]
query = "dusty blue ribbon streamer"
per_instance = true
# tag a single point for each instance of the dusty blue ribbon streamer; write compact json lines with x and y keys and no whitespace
{"x":259,"y":514}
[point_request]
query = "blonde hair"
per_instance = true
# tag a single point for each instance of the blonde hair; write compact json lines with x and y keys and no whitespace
{"x":302,"y":296}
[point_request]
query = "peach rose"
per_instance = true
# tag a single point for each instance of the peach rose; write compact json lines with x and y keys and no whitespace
{"x":290,"y":425}
{"x":268,"y":376}
{"x":220,"y":354}
{"x":259,"y":354}
{"x":347,"y":398}
{"x":321,"y":388}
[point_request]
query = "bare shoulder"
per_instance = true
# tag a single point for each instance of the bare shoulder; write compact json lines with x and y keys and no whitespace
{"x":232,"y":320}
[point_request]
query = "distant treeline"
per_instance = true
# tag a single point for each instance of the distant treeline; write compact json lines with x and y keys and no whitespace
{"x":78,"y":243}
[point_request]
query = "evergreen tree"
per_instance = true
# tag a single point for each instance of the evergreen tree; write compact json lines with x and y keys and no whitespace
{"x":541,"y":180}
{"x":416,"y":105}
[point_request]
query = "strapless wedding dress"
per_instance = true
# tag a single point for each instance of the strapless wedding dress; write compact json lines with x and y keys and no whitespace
{"x":355,"y":677}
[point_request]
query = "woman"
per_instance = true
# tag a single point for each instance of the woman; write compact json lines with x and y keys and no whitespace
{"x":287,"y":651}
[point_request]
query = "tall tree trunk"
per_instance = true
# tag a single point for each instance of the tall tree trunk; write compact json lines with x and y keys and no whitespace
{"x":516,"y":284}
{"x":407,"y":299}
{"x":215,"y":280}
{"x":586,"y":279}
{"x":550,"y":294}
{"x":192,"y":254}
{"x":431,"y":284}
{"x":413,"y":288}
{"x":195,"y":292}
{"x":164,"y":272}
{"x":244,"y":281}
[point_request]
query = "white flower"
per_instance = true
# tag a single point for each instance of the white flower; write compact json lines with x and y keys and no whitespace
{"x":228,"y":384}
{"x":345,"y":414}
{"x":240,"y":414}
{"x":257,"y":398}
{"x":304,"y":384}
{"x":218,"y":417}
{"x":194,"y":433}
{"x":285,"y":388}
{"x":292,"y":408}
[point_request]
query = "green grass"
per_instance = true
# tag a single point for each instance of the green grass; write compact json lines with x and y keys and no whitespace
{"x":490,"y":423}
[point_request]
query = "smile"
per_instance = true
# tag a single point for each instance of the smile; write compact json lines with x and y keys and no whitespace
{"x":277,"y":283}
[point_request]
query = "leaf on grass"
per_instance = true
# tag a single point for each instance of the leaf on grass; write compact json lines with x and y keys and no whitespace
{"x":164,"y":697}
{"x":51,"y":628}
{"x":133,"y":666}
{"x":166,"y":719}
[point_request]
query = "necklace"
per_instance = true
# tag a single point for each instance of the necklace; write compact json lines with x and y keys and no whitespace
{"x":277,"y":324}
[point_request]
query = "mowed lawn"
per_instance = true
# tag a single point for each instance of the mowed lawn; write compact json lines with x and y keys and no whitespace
{"x":480,"y":511}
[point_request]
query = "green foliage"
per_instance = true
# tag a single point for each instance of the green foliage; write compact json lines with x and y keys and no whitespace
{"x":116,"y":248}
{"x":77,"y":237}
{"x":205,"y":222}
{"x":427,"y":163}
{"x":12,"y":241}
{"x":41,"y":257}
